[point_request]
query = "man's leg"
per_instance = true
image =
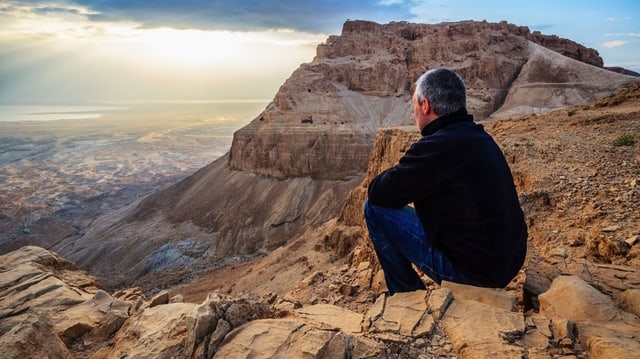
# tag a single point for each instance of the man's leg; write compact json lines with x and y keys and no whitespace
{"x":387,"y":226}
{"x":399,"y":240}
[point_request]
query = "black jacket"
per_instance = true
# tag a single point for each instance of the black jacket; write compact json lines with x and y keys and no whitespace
{"x":463,"y":192}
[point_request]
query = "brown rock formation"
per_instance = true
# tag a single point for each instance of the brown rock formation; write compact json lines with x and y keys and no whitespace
{"x":363,"y":79}
{"x":71,"y":318}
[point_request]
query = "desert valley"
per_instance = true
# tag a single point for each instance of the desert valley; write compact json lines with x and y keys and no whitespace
{"x":263,"y":251}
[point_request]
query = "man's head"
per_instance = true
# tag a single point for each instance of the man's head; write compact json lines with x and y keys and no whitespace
{"x":438,"y":92}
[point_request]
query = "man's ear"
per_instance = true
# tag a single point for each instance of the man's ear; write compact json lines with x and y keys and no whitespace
{"x":425,"y":107}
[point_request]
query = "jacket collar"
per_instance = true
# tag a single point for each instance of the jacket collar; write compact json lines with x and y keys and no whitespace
{"x":446,"y":120}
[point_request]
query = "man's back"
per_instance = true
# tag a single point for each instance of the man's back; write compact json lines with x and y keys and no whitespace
{"x":463,"y":193}
{"x":466,"y":225}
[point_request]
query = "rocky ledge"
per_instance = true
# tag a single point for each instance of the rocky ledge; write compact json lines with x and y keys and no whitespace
{"x":52,"y":309}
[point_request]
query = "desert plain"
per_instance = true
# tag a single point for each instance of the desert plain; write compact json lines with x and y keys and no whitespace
{"x":57,"y":176}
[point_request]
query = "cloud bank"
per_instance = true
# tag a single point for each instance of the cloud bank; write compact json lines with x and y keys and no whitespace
{"x":316,"y":16}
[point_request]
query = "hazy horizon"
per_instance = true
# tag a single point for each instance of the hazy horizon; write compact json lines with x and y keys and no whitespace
{"x":238,"y":109}
{"x":84,"y":51}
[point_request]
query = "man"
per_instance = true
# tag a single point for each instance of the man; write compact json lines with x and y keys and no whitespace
{"x":466,"y":224}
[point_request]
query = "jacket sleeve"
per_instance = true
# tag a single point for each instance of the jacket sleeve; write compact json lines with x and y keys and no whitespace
{"x":412,"y":179}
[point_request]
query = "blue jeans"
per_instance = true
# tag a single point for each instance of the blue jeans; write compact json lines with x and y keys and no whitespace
{"x":399,"y":240}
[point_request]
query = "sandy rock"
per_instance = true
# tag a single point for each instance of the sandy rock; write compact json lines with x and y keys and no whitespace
{"x":106,"y":328}
{"x":378,"y":285}
{"x":375,"y":312}
{"x":616,"y":339}
{"x":37,"y":283}
{"x":157,"y":332}
{"x":406,"y":310}
{"x":316,"y":331}
{"x":102,"y":316}
{"x":209,"y":322}
{"x":285,"y":306}
{"x":177,"y":299}
{"x":400,"y":318}
{"x":610,"y":279}
{"x":572,"y":298}
{"x":133,"y":296}
{"x":501,"y":329}
{"x":537,"y":336}
{"x":27,"y":280}
{"x":36,"y":255}
{"x":332,"y":317}
{"x":313,"y":278}
{"x":33,"y":337}
{"x":604,"y":330}
{"x":160,"y":298}
{"x":496,"y":298}
{"x":271,"y":338}
{"x":542,"y":324}
{"x":439,"y":301}
{"x":563,"y":328}
{"x":36,"y":293}
{"x":629,"y":301}
{"x":364,"y":347}
{"x":201,"y":321}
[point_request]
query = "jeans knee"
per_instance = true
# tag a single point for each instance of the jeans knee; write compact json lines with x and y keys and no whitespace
{"x":370,"y":213}
{"x":367,"y":209}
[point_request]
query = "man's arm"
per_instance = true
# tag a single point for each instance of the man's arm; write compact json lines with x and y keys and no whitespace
{"x":409,"y":180}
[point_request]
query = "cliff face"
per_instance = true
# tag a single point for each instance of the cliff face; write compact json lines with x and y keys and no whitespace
{"x":290,"y":169}
{"x":322,"y":121}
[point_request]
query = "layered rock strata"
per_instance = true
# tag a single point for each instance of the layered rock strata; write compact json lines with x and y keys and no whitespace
{"x":362,"y":80}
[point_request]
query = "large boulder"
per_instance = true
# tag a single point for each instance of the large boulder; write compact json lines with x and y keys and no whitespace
{"x":604,"y":329}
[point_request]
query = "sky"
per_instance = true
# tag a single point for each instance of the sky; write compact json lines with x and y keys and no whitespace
{"x":97,"y":51}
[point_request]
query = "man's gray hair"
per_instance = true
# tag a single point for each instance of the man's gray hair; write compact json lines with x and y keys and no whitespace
{"x":444,"y":89}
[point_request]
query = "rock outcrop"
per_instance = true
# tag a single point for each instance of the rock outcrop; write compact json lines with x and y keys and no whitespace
{"x":54,"y":310}
{"x":362,"y":80}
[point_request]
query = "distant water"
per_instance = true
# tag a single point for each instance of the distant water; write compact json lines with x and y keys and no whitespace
{"x":11,"y":113}
{"x":76,"y":163}
{"x":52,"y":113}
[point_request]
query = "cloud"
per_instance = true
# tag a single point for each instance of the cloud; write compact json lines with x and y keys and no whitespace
{"x":542,"y":27}
{"x":55,"y":10}
{"x":622,"y":34}
{"x":317,"y":16}
{"x":614,"y":43}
